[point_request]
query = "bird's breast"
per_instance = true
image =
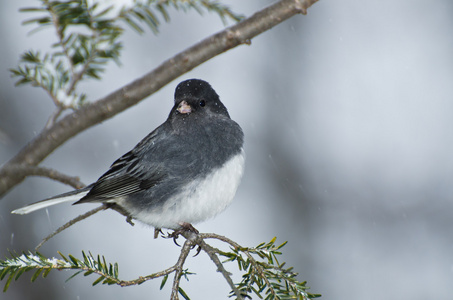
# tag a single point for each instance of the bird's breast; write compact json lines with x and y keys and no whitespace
{"x":201,"y":199}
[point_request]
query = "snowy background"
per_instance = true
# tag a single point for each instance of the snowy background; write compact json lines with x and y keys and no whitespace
{"x":348,"y":116}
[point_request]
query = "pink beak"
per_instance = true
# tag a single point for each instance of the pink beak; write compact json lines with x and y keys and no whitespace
{"x":184,"y":108}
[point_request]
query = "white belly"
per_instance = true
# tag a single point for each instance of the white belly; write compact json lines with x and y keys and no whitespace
{"x":201,"y":200}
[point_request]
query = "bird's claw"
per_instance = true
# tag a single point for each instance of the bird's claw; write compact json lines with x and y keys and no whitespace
{"x":184,"y":227}
{"x":198,"y":250}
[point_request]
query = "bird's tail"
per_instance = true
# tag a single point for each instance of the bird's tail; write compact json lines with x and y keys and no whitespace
{"x":66,"y":197}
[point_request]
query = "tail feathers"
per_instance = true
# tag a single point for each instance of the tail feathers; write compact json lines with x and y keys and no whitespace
{"x":66,"y":197}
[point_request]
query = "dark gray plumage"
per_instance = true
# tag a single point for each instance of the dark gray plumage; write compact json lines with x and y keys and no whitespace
{"x":185,"y":171}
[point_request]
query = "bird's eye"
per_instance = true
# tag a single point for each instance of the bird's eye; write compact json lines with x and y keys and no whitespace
{"x":202,"y":103}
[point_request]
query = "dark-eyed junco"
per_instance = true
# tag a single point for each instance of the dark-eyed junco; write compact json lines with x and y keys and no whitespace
{"x":186,"y":171}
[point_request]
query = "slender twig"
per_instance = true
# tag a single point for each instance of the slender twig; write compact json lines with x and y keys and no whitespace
{"x":49,"y":92}
{"x":78,"y":76}
{"x":212,"y":253}
{"x":54,"y":116}
{"x":27,"y":170}
{"x":142,"y":279}
{"x":70,"y":223}
{"x":220,"y":237}
{"x":179,"y":266}
{"x":52,"y":96}
{"x":72,"y":124}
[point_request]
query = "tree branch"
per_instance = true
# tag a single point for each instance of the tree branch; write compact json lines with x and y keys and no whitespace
{"x":241,"y":33}
{"x":27,"y":170}
{"x":258,"y":268}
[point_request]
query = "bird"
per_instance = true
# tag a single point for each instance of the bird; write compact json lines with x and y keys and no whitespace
{"x":184,"y":172}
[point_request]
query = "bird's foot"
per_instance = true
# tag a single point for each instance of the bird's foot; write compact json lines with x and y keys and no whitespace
{"x":187,"y":227}
{"x":184,"y":227}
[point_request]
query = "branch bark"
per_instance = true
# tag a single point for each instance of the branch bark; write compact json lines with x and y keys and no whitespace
{"x":211,"y":252}
{"x":179,"y":268}
{"x":27,"y":170}
{"x":53,"y":137}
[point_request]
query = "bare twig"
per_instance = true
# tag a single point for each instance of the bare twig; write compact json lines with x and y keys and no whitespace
{"x":221,"y":238}
{"x":70,"y":223}
{"x":191,"y":239}
{"x":241,"y":33}
{"x":27,"y":170}
{"x":142,"y":279}
{"x":55,"y":115}
{"x":212,"y":253}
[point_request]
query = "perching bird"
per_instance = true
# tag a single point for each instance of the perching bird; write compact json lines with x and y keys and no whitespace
{"x":186,"y":171}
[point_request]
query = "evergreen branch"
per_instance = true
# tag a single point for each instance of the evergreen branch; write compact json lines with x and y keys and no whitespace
{"x":17,"y":265}
{"x":146,"y":12}
{"x":265,"y":276}
{"x":108,"y":273}
{"x":37,"y":72}
{"x":47,"y":72}
{"x":268,"y":274}
{"x":60,"y":32}
{"x":80,"y":55}
{"x":88,"y":115}
{"x":241,"y":263}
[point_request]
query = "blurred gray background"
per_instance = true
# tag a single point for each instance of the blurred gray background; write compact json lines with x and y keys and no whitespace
{"x":348,"y":120}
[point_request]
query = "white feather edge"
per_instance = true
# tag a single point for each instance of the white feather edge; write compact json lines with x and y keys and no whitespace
{"x":49,"y":202}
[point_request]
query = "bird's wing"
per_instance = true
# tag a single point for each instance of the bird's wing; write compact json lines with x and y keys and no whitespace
{"x":127,"y":175}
